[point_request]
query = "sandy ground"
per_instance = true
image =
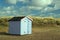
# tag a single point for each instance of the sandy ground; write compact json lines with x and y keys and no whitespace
{"x":46,"y":33}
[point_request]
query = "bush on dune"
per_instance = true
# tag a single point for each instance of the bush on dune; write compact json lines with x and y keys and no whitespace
{"x":4,"y":21}
{"x":45,"y":21}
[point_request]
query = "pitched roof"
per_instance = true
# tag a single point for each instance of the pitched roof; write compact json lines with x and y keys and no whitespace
{"x":19,"y":18}
{"x":16,"y":18}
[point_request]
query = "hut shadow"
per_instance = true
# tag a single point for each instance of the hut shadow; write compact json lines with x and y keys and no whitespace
{"x":7,"y":34}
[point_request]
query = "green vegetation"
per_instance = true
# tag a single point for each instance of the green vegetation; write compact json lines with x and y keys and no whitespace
{"x":36,"y":21}
{"x":45,"y":22}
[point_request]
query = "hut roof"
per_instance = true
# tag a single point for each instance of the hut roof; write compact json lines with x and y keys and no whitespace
{"x":18,"y":18}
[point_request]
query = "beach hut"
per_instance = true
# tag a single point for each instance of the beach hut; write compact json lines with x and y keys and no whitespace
{"x":20,"y":25}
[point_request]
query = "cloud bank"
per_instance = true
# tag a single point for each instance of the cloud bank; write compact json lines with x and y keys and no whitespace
{"x":36,"y":7}
{"x":15,"y":1}
{"x":41,"y":2}
{"x":12,"y":1}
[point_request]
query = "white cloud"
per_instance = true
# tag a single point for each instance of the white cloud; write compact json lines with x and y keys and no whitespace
{"x":48,"y":9}
{"x":24,"y":10}
{"x":8,"y":8}
{"x":8,"y":11}
{"x":42,"y":5}
{"x":12,"y":1}
{"x":15,"y":1}
{"x":57,"y":4}
{"x":23,"y":0}
{"x":34,"y":2}
{"x":34,"y":7}
{"x":41,"y":2}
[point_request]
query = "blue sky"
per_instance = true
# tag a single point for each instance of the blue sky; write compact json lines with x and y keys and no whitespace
{"x":30,"y":7}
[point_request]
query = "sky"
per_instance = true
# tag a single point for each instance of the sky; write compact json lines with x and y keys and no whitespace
{"x":30,"y":7}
